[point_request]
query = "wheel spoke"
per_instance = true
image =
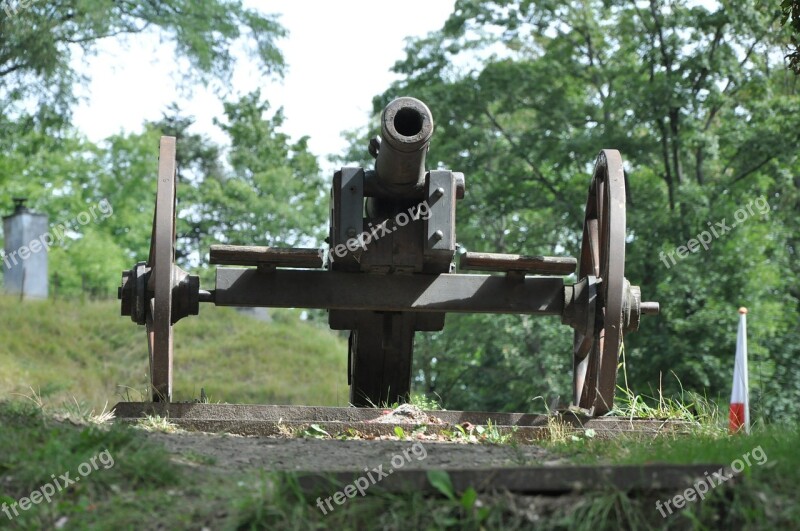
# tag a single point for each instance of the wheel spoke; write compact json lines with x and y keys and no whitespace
{"x":579,"y":382}
{"x":150,"y":342}
{"x":593,"y":237}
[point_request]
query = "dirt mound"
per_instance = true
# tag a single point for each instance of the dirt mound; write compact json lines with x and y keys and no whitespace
{"x":406,"y":414}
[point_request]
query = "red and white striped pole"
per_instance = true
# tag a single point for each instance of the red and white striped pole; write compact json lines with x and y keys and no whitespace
{"x":739,"y":416}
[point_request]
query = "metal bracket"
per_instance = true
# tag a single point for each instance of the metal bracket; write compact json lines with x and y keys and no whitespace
{"x":347,"y":215}
{"x":440,"y":227}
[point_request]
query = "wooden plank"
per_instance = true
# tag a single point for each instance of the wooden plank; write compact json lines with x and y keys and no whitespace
{"x":445,"y":292}
{"x":537,"y":265}
{"x":257,"y":255}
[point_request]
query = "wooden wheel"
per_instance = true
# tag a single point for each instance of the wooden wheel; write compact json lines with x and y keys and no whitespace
{"x":159,"y":318}
{"x":602,"y":256}
{"x":381,"y":351}
{"x":158,"y":293}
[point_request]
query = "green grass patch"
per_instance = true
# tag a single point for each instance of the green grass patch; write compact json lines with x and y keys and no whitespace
{"x":84,"y":351}
{"x":766,"y":462}
{"x":147,"y":488}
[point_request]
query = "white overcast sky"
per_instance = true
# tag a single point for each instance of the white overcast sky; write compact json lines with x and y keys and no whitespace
{"x":338,"y":54}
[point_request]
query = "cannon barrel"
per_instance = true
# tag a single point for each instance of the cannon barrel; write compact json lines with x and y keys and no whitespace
{"x":406,"y":131}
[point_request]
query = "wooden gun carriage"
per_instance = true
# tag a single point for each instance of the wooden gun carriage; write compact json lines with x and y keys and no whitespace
{"x":389,"y":270}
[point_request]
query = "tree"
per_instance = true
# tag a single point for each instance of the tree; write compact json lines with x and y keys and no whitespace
{"x":42,"y":157}
{"x":275,"y":195}
{"x":271,"y":193}
{"x":790,"y":10}
{"x":40,"y":38}
{"x":525,"y":93}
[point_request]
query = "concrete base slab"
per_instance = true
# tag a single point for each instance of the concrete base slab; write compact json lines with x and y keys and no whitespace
{"x":271,"y":420}
{"x":526,"y":480}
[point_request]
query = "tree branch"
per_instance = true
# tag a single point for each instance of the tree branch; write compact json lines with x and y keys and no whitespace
{"x":751,"y":170}
{"x":538,"y":175}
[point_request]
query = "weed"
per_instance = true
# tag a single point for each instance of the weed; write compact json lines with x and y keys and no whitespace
{"x":81,"y":413}
{"x":420,"y":401}
{"x":491,"y":434}
{"x":157,"y":423}
{"x":314,"y":431}
{"x":426,"y":404}
{"x":273,"y":501}
{"x":468,"y":500}
{"x":557,"y":430}
{"x":349,"y":434}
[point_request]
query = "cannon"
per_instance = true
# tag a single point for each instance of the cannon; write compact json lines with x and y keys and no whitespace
{"x":389,"y":270}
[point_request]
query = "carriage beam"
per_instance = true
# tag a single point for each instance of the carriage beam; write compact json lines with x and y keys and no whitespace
{"x":389,"y":293}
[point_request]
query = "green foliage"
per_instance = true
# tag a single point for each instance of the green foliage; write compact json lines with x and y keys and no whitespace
{"x":43,"y":158}
{"x":157,"y":423}
{"x":524,"y":94}
{"x":493,"y":362}
{"x":271,"y":194}
{"x":41,"y":38}
{"x":491,"y":434}
{"x":35,"y":447}
{"x":440,"y":480}
{"x":790,"y":14}
{"x":314,"y":431}
{"x":275,"y":195}
{"x":425,"y":403}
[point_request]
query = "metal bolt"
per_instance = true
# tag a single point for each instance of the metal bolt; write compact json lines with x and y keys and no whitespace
{"x":351,"y":232}
{"x":374,"y":146}
{"x":438,"y":235}
{"x":460,"y":184}
{"x":439,"y":192}
{"x":649,"y":308}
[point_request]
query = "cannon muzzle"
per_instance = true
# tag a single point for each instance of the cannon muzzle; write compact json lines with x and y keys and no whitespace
{"x":406,"y":130}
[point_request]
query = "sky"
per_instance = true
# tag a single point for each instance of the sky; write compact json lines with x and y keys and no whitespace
{"x":338,"y":53}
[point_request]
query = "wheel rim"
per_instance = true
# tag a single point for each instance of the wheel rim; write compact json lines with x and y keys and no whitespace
{"x":162,"y":258}
{"x":602,"y":255}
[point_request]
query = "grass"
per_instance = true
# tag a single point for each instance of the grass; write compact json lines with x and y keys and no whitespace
{"x":157,"y":424}
{"x":82,"y":355}
{"x":85,"y":351}
{"x":34,"y":447}
{"x":131,"y":493}
{"x":418,"y":400}
{"x":764,"y":497}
